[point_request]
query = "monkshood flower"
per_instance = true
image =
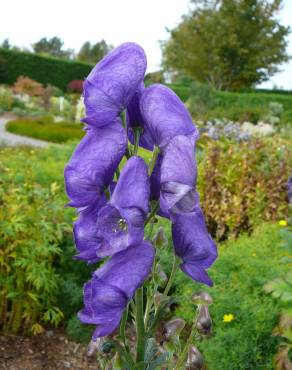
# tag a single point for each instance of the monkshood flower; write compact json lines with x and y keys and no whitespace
{"x":85,"y":233}
{"x":164,"y":115}
{"x":113,"y":286}
{"x":110,"y":227}
{"x":193,"y":244}
{"x":135,"y":120}
{"x":178,"y":176}
{"x":93,"y":164}
{"x":289,"y":186}
{"x":111,"y":84}
{"x":121,"y":222}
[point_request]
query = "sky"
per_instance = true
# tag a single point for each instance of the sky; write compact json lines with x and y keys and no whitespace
{"x":146,"y":22}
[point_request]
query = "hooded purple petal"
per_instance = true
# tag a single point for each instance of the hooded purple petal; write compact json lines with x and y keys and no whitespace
{"x":165,"y":115}
{"x":179,"y":175}
{"x":289,"y":186}
{"x":85,"y":233}
{"x":93,"y":164}
{"x":112,"y":83}
{"x":121,"y":222}
{"x":113,"y":285}
{"x":135,"y":120}
{"x":193,"y":244}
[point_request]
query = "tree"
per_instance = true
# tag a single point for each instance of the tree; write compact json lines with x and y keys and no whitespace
{"x":230,"y":44}
{"x":52,"y":47}
{"x":93,"y":53}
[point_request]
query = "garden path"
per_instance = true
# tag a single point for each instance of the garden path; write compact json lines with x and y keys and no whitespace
{"x":13,"y":140}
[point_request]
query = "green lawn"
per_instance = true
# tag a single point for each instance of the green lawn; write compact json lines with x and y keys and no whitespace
{"x":44,"y":128}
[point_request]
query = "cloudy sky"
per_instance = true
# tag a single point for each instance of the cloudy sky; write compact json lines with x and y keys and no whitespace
{"x":116,"y":21}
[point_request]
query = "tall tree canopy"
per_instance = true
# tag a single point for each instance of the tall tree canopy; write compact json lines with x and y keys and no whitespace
{"x":53,"y":46}
{"x":230,"y":44}
{"x":93,"y":53}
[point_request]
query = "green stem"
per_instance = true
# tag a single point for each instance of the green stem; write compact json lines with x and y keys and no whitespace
{"x":175,"y":265}
{"x":137,"y":133}
{"x":152,"y":214}
{"x":140,"y":329}
{"x":123,"y":325}
{"x":180,"y":361}
{"x":153,"y":160}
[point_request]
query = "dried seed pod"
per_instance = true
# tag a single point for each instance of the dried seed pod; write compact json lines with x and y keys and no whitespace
{"x":195,"y":359}
{"x":204,"y":321}
{"x":202,"y":298}
{"x":173,"y":327}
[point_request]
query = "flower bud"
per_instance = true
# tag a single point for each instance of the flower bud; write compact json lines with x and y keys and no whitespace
{"x":95,"y":346}
{"x":160,"y":239}
{"x":162,"y":277}
{"x":173,"y":327}
{"x":204,"y":321}
{"x":202,"y":298}
{"x":159,"y":299}
{"x":195,"y":359}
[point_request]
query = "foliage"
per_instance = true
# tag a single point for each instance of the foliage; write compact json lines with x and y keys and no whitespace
{"x":92,"y":53}
{"x":53,"y":47}
{"x":46,"y":70}
{"x":75,"y":86}
{"x":243,"y":183}
{"x":281,"y":289}
{"x":249,"y":53}
{"x":25,"y":85}
{"x":33,"y":224}
{"x":8,"y":101}
{"x":45,"y":129}
{"x":242,"y":268}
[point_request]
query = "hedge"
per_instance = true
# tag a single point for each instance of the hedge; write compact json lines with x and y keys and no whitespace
{"x":47,"y":70}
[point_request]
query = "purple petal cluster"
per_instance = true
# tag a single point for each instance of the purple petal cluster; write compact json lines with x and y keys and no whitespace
{"x":289,"y":186}
{"x":111,"y":215}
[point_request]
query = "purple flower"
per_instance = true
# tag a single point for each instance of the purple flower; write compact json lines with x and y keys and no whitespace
{"x":193,"y":244}
{"x":112,"y":83}
{"x":113,"y":286}
{"x":178,"y":176}
{"x":121,"y":222}
{"x":135,"y":120}
{"x":289,"y":186}
{"x":85,"y":233}
{"x":93,"y":164}
{"x":165,"y":115}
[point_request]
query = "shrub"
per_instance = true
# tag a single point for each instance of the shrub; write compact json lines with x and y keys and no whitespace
{"x":46,"y":70}
{"x":75,"y":86}
{"x":25,"y":85}
{"x":243,"y":184}
{"x":45,"y":129}
{"x":33,"y":226}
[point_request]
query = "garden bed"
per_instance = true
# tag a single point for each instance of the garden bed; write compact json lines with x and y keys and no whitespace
{"x":50,"y":351}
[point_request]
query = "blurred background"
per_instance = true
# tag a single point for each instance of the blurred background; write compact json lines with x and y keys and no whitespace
{"x":230,"y":63}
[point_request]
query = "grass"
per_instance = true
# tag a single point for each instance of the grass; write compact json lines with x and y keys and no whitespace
{"x":44,"y":128}
{"x":243,"y":267}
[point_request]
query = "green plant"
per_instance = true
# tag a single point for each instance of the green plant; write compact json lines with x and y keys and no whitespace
{"x":45,"y":129}
{"x":33,"y":226}
{"x":46,"y":70}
